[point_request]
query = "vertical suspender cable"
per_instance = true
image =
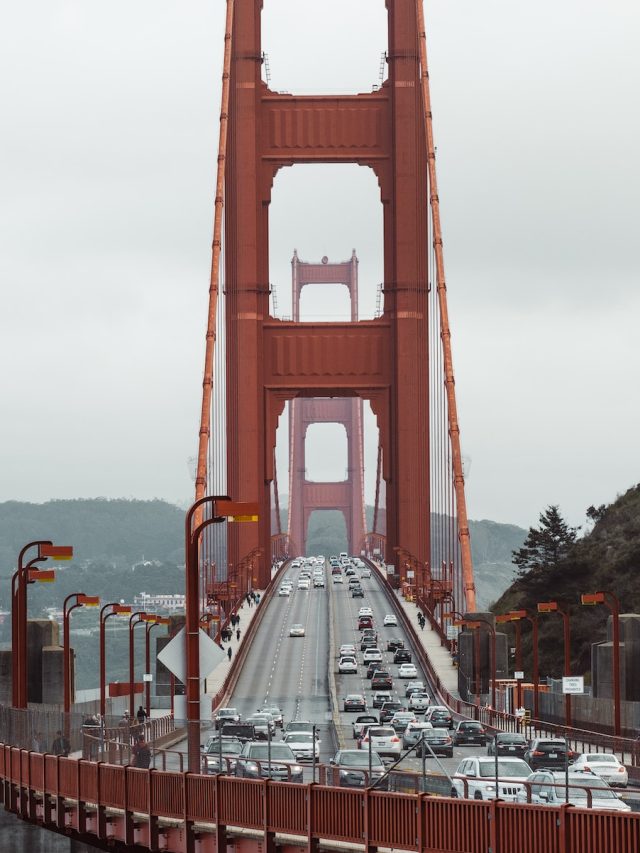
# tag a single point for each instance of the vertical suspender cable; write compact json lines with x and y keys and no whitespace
{"x":445,"y":332}
{"x":207,"y":384}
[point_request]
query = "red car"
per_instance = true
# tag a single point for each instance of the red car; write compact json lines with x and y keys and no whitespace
{"x":365,"y":622}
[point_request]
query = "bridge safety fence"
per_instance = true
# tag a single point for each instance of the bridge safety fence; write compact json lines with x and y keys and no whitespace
{"x":101,"y":799}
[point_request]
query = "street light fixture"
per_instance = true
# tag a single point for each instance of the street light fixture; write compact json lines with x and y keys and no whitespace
{"x":71,"y":602}
{"x":515,"y":616}
{"x":611,"y":602}
{"x":222,"y":509}
{"x":553,"y":607}
{"x":117,"y":609}
{"x":141,"y":617}
{"x":21,"y":577}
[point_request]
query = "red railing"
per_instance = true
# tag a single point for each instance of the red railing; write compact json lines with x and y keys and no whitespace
{"x":308,"y":812}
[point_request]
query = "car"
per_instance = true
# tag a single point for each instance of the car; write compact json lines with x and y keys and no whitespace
{"x":413,"y":733}
{"x":296,"y":631}
{"x":479,"y":771}
{"x":354,"y":583}
{"x":220,"y":754}
{"x":373,"y":667}
{"x":263,"y":723}
{"x":469,"y":731}
{"x":242,"y":731}
{"x":303,"y":745}
{"x":352,"y":768}
{"x":401,"y":720}
{"x":390,"y":621}
{"x":381,"y":680}
{"x":350,"y":572}
{"x":357,"y":592}
{"x":606,"y":765}
{"x":364,"y":622}
{"x":402,"y":656}
{"x":389,"y":708}
{"x":508,"y":743}
{"x":548,"y":787}
{"x":354,"y":702}
{"x":347,"y":649}
{"x":226,"y":715}
{"x":284,"y":590}
{"x":414,"y":687}
{"x":372,"y":654}
{"x":368,"y":642}
{"x":338,"y":579}
{"x":365,"y":611}
{"x":318,"y":583}
{"x":365,"y":573}
{"x":362,"y":721}
{"x":268,"y":761}
{"x":348,"y":664}
{"x":381,"y":739}
{"x":435,"y":741}
{"x":301,"y":726}
{"x":419,"y":702}
{"x":275,"y":712}
{"x":549,"y":754}
{"x":303,"y":583}
{"x":407,"y":670}
{"x":395,"y":643}
{"x":380,"y":698}
{"x":439,"y":716}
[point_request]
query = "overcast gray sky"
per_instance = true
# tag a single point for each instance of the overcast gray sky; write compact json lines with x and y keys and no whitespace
{"x":107,"y":155}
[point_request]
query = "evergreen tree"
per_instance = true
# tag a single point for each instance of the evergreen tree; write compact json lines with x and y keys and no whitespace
{"x":546,"y":545}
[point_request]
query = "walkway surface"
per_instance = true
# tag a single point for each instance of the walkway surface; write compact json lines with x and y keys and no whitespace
{"x":215,"y":679}
{"x":438,"y":654}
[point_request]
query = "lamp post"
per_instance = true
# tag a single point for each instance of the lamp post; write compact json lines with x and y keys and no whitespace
{"x":117,"y":610}
{"x":135,"y":619}
{"x":71,"y":602}
{"x":222,"y":508}
{"x":553,"y":607}
{"x":515,"y":616}
{"x":151,"y":621}
{"x":611,"y":602}
{"x":22,"y":576}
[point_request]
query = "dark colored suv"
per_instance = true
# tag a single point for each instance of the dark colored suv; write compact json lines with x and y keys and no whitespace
{"x":381,"y":680}
{"x":508,"y":743}
{"x":402,"y":656}
{"x":469,"y":731}
{"x":548,"y":753}
{"x":388,"y":710}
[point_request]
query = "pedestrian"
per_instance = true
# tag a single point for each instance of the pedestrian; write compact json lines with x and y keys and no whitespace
{"x":141,"y":753}
{"x":124,"y":724}
{"x":229,"y":653}
{"x":238,"y":635}
{"x":141,"y":715}
{"x":37,"y":742}
{"x":61,"y":745}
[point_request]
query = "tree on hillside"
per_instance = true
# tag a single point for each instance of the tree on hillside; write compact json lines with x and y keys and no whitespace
{"x":545,"y":545}
{"x":596,"y":514}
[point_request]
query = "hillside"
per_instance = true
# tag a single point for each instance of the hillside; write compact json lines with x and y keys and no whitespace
{"x":607,"y":558}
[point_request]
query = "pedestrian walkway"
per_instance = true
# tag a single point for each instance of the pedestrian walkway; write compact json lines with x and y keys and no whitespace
{"x":438,"y":654}
{"x":215,"y":679}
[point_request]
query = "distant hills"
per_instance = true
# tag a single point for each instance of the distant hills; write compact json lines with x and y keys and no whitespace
{"x":606,"y":558}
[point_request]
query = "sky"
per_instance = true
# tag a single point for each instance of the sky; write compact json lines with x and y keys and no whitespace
{"x":108,"y":143}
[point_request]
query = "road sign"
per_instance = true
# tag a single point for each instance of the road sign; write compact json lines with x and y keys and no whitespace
{"x":452,"y":632}
{"x":391,"y":569}
{"x":173,"y":656}
{"x":518,"y":675}
{"x":147,"y":676}
{"x":573,"y":684}
{"x":410,"y":573}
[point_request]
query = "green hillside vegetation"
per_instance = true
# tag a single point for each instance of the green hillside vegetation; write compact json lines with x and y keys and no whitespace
{"x":606,"y":558}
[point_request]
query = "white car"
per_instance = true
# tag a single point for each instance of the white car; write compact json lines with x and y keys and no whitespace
{"x":480,"y":774}
{"x":366,"y":573}
{"x":303,"y":583}
{"x":605,"y":765}
{"x":372,"y":655}
{"x":365,"y":611}
{"x":296,"y":631}
{"x":348,"y":664}
{"x":318,"y":583}
{"x":548,"y":788}
{"x":419,"y":701}
{"x":347,"y":650}
{"x":338,"y":579}
{"x":390,"y":621}
{"x":384,"y":740}
{"x":407,"y":670}
{"x":303,"y":745}
{"x":285,"y":590}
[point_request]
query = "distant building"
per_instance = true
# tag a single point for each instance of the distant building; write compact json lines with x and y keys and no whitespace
{"x":170,"y":602}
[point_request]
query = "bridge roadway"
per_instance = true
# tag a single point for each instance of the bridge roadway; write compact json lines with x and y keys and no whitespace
{"x":295,"y":673}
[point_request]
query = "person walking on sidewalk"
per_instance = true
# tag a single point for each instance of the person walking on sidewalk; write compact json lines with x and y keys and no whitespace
{"x":238,"y":635}
{"x":229,"y":653}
